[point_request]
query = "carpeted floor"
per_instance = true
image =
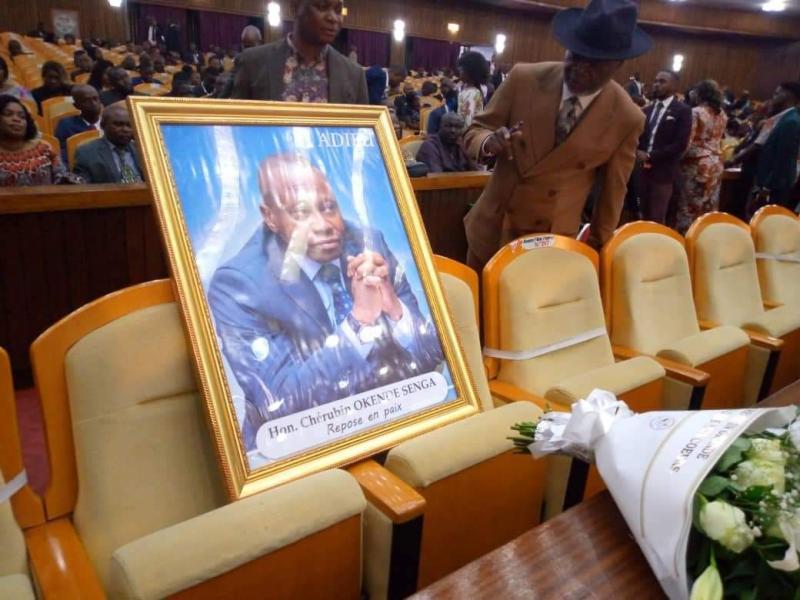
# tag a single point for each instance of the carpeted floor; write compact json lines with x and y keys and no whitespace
{"x":34,"y":446}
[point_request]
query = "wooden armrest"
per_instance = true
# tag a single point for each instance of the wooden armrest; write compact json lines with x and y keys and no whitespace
{"x":768,"y":304}
{"x":60,"y":562}
{"x":768,"y":342}
{"x":707,"y":324}
{"x":508,"y":392}
{"x":390,"y":494}
{"x":682,"y":373}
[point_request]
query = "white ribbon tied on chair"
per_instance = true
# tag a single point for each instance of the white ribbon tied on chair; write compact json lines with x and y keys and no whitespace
{"x":13,"y":486}
{"x":577,"y":433}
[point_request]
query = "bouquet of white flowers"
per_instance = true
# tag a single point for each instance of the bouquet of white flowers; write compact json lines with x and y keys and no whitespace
{"x":712,"y":497}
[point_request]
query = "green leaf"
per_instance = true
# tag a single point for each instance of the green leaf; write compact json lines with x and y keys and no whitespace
{"x":714,"y":485}
{"x":733,"y":455}
{"x":750,"y":594}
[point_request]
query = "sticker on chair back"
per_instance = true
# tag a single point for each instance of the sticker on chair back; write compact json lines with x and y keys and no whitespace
{"x":538,"y":241}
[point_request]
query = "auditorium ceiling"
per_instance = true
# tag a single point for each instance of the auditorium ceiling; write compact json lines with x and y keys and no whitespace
{"x":791,"y":6}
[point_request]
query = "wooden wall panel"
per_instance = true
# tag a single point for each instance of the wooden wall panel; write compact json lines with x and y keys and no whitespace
{"x":775,"y":65}
{"x":98,"y":19}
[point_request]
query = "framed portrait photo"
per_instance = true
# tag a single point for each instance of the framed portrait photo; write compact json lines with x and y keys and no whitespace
{"x":316,"y":318}
{"x":65,"y":22}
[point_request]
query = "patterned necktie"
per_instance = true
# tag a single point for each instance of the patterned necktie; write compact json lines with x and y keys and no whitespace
{"x":128,"y":174}
{"x":567,"y":117}
{"x":342,"y":303}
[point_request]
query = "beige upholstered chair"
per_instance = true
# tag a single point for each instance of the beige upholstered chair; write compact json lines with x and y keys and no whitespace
{"x":776,"y":235}
{"x":466,"y":492}
{"x":722,"y":260}
{"x":15,"y":580}
{"x":649,"y":306}
{"x":135,"y":491}
{"x":545,"y":331}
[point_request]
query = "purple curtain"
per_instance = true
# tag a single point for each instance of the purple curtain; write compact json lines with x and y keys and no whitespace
{"x":164,"y":15}
{"x":373,"y":47}
{"x":432,"y":54}
{"x":220,"y":29}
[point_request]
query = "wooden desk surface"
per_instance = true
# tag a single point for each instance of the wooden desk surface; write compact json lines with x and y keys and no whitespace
{"x":586,"y":552}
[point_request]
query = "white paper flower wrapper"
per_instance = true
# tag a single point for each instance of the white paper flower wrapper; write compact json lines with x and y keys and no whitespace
{"x":653,"y":463}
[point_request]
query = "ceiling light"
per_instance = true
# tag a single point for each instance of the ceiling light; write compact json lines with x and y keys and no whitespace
{"x":677,"y":62}
{"x":399,"y":31}
{"x":500,"y":43}
{"x":115,"y":3}
{"x":453,"y":27}
{"x":274,"y":14}
{"x":774,"y":6}
{"x":344,"y":11}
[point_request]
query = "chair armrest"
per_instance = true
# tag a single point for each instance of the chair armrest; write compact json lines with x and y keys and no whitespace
{"x":508,"y":392}
{"x":768,"y":304}
{"x":704,"y":324}
{"x":387,"y":492}
{"x":60,"y":563}
{"x":767,"y":342}
{"x":677,"y":371}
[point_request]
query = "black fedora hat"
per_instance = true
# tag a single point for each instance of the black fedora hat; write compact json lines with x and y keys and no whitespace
{"x":604,"y":30}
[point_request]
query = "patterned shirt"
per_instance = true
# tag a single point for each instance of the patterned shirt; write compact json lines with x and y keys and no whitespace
{"x":305,"y":81}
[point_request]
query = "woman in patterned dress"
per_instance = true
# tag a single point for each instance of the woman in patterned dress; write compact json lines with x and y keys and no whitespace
{"x":474,"y":72}
{"x":702,"y":166}
{"x":24,"y":158}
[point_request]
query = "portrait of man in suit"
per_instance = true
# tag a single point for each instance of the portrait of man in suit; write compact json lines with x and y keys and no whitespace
{"x":668,"y":125}
{"x":314,"y":308}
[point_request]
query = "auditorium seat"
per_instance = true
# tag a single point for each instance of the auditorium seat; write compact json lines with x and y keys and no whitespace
{"x":650,"y":310}
{"x":53,"y":107}
{"x":52,"y":141}
{"x":474,"y":493}
{"x":23,"y":508}
{"x":150,"y":89}
{"x":58,"y":114}
{"x":135,"y":483}
{"x":776,"y":235}
{"x":76,"y":141}
{"x":722,"y":259}
{"x":545,"y":331}
{"x":410,"y":145}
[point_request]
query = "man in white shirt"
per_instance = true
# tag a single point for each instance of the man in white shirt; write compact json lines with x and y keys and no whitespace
{"x":155,"y":34}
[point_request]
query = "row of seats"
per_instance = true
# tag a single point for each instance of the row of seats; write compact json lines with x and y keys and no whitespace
{"x":135,"y":507}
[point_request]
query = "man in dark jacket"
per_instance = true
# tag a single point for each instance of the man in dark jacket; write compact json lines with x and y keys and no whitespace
{"x":303,"y":67}
{"x":666,"y":134}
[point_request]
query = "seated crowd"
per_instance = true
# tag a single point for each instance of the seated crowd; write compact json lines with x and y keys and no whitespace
{"x":430,"y":111}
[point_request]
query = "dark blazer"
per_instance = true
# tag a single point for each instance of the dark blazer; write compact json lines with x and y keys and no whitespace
{"x":276,"y":333}
{"x":441,"y":159}
{"x":95,"y":163}
{"x":260,"y":75}
{"x":777,"y":161}
{"x":69,"y":127}
{"x":672,"y":138}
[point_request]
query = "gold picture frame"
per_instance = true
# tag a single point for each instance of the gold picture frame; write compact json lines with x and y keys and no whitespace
{"x":213,"y":153}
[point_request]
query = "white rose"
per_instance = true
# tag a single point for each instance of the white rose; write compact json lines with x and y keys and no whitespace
{"x":789,"y":532}
{"x":761,"y":472}
{"x":726,"y":524}
{"x":708,"y":586}
{"x":769,"y":450}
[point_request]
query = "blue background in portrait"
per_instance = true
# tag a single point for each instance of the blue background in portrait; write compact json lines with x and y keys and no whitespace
{"x":215,"y":172}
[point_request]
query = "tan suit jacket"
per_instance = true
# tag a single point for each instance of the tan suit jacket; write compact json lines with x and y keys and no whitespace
{"x":544,"y":189}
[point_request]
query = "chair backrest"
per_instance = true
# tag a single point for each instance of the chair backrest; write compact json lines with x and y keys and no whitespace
{"x":123,"y":421}
{"x":24,"y":508}
{"x":82,"y":78}
{"x":538,"y":291}
{"x":424,"y":115}
{"x":410,"y":145}
{"x":51,"y":103}
{"x":60,"y":112}
{"x":722,"y":261}
{"x":460,"y":284}
{"x":647,"y":287}
{"x":149,"y":89}
{"x":52,"y":142}
{"x":76,"y":141}
{"x":776,"y":235}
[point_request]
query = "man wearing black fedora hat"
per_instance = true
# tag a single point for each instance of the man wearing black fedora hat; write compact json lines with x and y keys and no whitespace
{"x":557,"y":127}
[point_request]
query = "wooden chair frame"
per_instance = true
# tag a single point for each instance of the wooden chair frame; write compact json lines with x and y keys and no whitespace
{"x":781,"y":350}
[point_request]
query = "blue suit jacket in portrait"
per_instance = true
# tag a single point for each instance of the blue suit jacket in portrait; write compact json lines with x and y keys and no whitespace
{"x":67,"y":128}
{"x":279,"y":340}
